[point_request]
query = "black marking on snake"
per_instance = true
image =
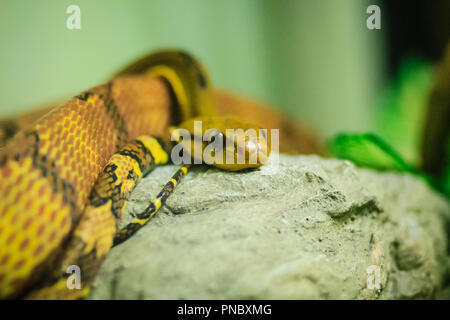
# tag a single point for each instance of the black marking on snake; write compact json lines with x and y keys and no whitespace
{"x":69,"y":194}
{"x":114,"y":196}
{"x":164,"y":144}
{"x":129,"y":151}
{"x":113,"y":112}
{"x":110,"y":169}
{"x":48,"y":168}
{"x":148,"y":167}
{"x":175,"y":109}
{"x":162,"y":195}
{"x":201,"y":80}
{"x":105,"y":190}
{"x":131,"y":174}
{"x":109,"y":175}
{"x":117,"y":202}
{"x":147,"y":211}
{"x":84,"y":96}
{"x":133,"y":155}
{"x":125,"y":233}
{"x":3,"y":159}
{"x":143,"y":148}
{"x":10,"y":128}
{"x":198,"y":70}
{"x":132,"y":227}
{"x":34,"y":148}
{"x":96,"y":200}
{"x":114,"y":193}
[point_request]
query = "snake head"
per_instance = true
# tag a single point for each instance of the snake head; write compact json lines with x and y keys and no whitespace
{"x":226,"y":143}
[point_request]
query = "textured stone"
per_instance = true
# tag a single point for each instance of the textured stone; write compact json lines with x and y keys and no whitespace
{"x":312,"y":229}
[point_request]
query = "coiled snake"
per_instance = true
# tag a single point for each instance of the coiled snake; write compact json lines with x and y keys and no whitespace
{"x":64,"y":180}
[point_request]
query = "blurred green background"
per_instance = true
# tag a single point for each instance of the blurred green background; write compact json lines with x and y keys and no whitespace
{"x":315,"y":60}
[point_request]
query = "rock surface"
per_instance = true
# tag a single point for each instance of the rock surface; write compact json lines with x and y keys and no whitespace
{"x":309,"y":228}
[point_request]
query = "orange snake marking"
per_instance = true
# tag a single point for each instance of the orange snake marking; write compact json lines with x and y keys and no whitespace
{"x":64,"y":180}
{"x":47,"y":174}
{"x":94,"y":235}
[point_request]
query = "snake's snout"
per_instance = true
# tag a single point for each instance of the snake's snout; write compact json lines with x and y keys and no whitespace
{"x":257,"y":150}
{"x":250,"y":150}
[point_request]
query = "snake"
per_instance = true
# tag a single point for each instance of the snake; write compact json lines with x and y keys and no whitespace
{"x":65,"y":179}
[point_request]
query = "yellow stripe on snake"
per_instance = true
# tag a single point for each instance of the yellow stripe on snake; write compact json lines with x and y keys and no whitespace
{"x":64,"y":181}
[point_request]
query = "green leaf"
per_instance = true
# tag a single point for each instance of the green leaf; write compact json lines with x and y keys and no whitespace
{"x":368,"y":150}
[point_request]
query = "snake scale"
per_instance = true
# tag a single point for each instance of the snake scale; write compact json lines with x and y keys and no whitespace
{"x":65,"y":179}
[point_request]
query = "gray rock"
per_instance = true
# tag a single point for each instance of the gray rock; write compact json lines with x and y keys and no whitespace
{"x":312,"y":229}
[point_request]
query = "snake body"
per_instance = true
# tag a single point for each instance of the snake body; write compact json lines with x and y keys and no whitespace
{"x":48,"y":172}
{"x":64,"y":180}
